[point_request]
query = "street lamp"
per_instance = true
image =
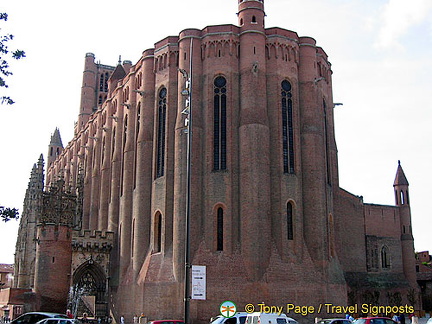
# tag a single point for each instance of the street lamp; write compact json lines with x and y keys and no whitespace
{"x":187,"y":92}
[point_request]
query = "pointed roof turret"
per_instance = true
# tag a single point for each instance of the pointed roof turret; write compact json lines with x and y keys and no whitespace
{"x":56,"y":138}
{"x":400,"y":177}
{"x":119,"y":73}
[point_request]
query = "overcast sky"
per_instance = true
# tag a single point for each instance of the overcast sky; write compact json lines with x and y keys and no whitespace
{"x":381,"y":55}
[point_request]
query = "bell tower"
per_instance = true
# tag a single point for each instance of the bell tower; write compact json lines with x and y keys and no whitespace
{"x":402,"y":201}
{"x":251,"y":14}
{"x":55,"y":146}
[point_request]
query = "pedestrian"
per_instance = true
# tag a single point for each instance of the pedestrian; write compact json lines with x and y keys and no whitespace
{"x":122,"y":320}
{"x":85,"y":318}
{"x":142,"y":319}
{"x":402,"y":319}
{"x":414,"y":319}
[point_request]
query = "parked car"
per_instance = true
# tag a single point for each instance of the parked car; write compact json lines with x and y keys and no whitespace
{"x":335,"y":321}
{"x":374,"y":320}
{"x":60,"y":321}
{"x":269,"y":318}
{"x":167,"y":322}
{"x":238,"y":318}
{"x":34,"y":317}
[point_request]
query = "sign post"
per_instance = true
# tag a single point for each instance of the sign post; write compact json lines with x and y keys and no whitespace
{"x":199,"y":282}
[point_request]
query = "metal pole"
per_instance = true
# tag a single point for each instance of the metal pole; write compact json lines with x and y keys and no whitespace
{"x":188,"y":265}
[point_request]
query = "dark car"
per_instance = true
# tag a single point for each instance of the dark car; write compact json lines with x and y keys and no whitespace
{"x":34,"y":317}
{"x":374,"y":320}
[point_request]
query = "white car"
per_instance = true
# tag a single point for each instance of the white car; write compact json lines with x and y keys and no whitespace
{"x":270,"y":318}
{"x":238,"y":318}
{"x":59,"y":321}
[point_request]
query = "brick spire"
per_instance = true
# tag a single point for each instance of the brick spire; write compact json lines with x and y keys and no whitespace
{"x":400,"y":177}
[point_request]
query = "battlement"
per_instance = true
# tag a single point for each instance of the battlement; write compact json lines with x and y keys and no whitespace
{"x":97,"y":241}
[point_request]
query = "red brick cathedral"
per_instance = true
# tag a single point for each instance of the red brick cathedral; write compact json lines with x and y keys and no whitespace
{"x":267,"y":216}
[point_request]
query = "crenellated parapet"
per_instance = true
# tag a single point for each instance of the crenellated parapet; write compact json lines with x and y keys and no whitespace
{"x":93,"y":241}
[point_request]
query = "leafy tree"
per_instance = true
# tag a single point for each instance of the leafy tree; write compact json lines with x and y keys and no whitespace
{"x":4,"y":65}
{"x":7,"y":214}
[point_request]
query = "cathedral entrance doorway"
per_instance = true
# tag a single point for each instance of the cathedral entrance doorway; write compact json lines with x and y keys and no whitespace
{"x":89,"y":291}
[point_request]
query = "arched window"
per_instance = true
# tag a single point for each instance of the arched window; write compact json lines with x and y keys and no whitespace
{"x":219,"y":228}
{"x":160,"y":149}
{"x":138,"y":117}
{"x":113,"y":142}
{"x":219,"y":124}
{"x":123,"y":165}
{"x":327,"y":149}
{"x":287,"y":128}
{"x":157,"y":233}
{"x":103,"y":149}
{"x":101,"y":82}
{"x":138,"y":121}
{"x":385,"y":257}
{"x":125,"y":127}
{"x":290,"y":224}
{"x":106,"y":82}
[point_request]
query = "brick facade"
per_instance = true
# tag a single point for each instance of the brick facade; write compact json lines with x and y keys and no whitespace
{"x":268,"y":218}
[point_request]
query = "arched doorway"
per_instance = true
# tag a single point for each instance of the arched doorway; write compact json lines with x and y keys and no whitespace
{"x":89,"y":291}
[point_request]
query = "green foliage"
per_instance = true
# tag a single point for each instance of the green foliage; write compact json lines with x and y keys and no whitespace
{"x":7,"y":214}
{"x":5,"y":53}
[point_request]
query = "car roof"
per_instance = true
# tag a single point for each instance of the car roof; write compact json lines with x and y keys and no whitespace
{"x":44,"y":313}
{"x":334,"y":319}
{"x":167,"y":320}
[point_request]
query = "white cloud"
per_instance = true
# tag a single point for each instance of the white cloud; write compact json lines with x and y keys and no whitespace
{"x":397,"y":17}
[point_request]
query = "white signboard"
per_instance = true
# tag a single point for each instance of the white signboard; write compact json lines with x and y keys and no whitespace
{"x":198,"y":282}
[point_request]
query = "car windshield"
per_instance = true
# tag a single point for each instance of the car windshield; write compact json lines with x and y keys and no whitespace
{"x":360,"y":321}
{"x":217,"y":320}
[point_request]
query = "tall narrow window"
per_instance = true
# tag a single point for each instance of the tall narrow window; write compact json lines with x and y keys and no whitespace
{"x":101,"y":82}
{"x":160,"y":150}
{"x":385,"y":257}
{"x":123,"y":165}
{"x":219,"y":226}
{"x":138,"y":118}
{"x":113,"y":142}
{"x":219,"y":124}
{"x":287,"y":128}
{"x":157,"y":233}
{"x":103,"y":150}
{"x":327,"y":150}
{"x":125,"y":127}
{"x":290,"y":226}
{"x":105,"y":85}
